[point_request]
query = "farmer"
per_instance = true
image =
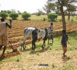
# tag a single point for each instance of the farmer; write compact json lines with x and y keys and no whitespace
{"x":3,"y":33}
{"x":50,"y":32}
{"x":64,"y":42}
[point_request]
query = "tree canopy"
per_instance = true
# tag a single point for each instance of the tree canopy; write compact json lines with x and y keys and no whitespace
{"x":59,"y":5}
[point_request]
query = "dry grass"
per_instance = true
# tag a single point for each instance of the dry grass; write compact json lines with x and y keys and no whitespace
{"x":51,"y":55}
{"x":30,"y":60}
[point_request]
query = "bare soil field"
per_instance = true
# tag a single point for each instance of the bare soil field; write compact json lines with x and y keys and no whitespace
{"x":15,"y":35}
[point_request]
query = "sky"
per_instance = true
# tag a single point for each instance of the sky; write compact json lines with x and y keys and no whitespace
{"x":30,"y":6}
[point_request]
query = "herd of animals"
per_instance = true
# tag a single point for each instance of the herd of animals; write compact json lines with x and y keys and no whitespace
{"x":37,"y":34}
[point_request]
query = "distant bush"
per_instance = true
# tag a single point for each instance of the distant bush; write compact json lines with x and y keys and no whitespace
{"x":4,"y":15}
{"x":25,"y":15}
{"x":13,"y":15}
{"x":38,"y":14}
{"x":60,"y":20}
{"x":44,"y":19}
{"x":52,"y":16}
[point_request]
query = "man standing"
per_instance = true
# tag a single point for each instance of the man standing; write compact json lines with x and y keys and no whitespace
{"x":3,"y":33}
{"x":64,"y":42}
{"x":50,"y":32}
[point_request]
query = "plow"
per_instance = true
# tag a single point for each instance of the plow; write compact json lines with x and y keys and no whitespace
{"x":14,"y":48}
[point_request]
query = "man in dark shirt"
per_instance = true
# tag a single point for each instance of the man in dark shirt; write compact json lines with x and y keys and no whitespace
{"x":3,"y":38}
{"x":64,"y":42}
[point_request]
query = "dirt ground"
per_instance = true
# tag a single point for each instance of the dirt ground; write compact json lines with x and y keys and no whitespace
{"x":15,"y":35}
{"x":29,"y":60}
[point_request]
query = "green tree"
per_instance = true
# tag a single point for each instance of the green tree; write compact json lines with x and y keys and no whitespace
{"x":38,"y":13}
{"x":62,"y":4}
{"x":13,"y":15}
{"x":49,"y":7}
{"x":4,"y":15}
{"x":52,"y":16}
{"x":25,"y":15}
{"x":70,"y":9}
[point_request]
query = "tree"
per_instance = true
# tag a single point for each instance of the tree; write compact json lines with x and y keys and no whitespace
{"x":13,"y":15}
{"x":62,"y":4}
{"x":49,"y":7}
{"x":19,"y":12}
{"x":8,"y":11}
{"x":4,"y":15}
{"x":70,"y":9}
{"x":41,"y":12}
{"x":52,"y":16}
{"x":26,"y":15}
{"x":38,"y":13}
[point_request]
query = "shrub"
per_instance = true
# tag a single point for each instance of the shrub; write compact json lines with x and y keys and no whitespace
{"x":18,"y":59}
{"x":38,"y":14}
{"x":44,"y":19}
{"x":38,"y":53}
{"x":4,"y":15}
{"x":53,"y":65}
{"x":68,"y":57}
{"x":25,"y":15}
{"x":13,"y":15}
{"x":52,"y":16}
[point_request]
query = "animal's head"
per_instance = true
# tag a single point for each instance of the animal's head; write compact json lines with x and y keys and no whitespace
{"x":37,"y":30}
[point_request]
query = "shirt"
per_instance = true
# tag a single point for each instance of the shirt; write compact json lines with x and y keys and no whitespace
{"x":50,"y":29}
{"x":64,"y":40}
{"x":3,"y":28}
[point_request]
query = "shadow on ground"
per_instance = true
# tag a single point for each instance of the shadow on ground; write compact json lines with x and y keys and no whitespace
{"x":65,"y":59}
{"x":40,"y":51}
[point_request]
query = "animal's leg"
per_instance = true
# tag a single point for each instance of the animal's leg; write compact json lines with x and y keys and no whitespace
{"x":32,"y":44}
{"x":24,"y":43}
{"x":43,"y":44}
{"x":4,"y":50}
{"x":1,"y":46}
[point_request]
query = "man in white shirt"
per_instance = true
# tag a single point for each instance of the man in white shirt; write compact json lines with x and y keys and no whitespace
{"x":50,"y":32}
